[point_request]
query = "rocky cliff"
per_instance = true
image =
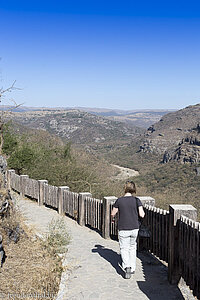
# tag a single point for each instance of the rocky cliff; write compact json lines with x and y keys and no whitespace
{"x":176,"y":136}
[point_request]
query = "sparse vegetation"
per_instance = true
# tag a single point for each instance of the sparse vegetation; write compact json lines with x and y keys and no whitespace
{"x":44,"y":156}
{"x":29,"y":267}
{"x":57,"y":237}
{"x":171,"y":183}
{"x":28,"y":270}
{"x":79,"y":127}
{"x":85,"y":167}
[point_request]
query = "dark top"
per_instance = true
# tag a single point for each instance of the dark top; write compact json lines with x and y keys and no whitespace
{"x":128,"y":212}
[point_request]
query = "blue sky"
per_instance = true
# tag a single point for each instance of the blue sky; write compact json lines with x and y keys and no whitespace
{"x":112,"y":54}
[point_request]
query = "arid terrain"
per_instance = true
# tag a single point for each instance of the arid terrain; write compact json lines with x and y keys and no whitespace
{"x":166,"y":155}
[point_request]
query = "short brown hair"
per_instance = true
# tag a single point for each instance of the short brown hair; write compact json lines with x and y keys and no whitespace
{"x":130,"y":187}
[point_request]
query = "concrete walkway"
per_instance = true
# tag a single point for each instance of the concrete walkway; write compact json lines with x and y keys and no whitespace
{"x":92,"y":270}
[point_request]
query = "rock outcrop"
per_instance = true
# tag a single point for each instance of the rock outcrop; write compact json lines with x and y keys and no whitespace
{"x":176,"y":136}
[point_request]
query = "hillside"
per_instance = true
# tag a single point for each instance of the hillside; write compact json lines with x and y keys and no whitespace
{"x":141,"y":118}
{"x":77,"y":126}
{"x":49,"y":157}
{"x":171,"y":183}
{"x":42,"y":155}
{"x":167,"y":157}
{"x":176,"y":136}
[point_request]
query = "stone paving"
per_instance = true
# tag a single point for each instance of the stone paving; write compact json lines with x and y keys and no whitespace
{"x":91,"y":264}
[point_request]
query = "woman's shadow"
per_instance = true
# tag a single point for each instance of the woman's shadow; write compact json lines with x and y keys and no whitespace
{"x":111,"y":256}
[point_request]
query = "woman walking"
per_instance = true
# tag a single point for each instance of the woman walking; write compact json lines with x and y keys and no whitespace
{"x":129,"y":208}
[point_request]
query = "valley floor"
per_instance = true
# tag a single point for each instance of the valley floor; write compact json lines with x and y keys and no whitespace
{"x":124,"y":173}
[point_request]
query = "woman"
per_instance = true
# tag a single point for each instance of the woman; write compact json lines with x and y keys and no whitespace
{"x":129,"y":207}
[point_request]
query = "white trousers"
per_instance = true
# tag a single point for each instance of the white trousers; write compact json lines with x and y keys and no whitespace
{"x":128,"y":246}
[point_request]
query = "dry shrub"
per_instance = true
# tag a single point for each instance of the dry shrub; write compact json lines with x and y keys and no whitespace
{"x":57,"y":237}
{"x":29,"y":270}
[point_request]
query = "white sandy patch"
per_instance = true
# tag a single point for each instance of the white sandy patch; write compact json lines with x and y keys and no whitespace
{"x":125,"y":173}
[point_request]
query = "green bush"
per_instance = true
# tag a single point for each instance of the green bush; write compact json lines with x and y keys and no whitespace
{"x":22,"y":158}
{"x":10,"y":141}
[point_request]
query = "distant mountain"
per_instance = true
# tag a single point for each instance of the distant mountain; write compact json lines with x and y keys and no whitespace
{"x":176,"y":136}
{"x":142,"y":118}
{"x":77,"y":126}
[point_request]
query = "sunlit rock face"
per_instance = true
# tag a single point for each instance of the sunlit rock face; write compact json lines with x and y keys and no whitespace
{"x":176,"y":136}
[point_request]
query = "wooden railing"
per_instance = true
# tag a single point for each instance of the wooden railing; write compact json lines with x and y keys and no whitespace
{"x":70,"y":203}
{"x":93,"y":213}
{"x":157,"y":223}
{"x":31,"y":188}
{"x":50,"y":195}
{"x":174,"y":235}
{"x":14,"y":180}
{"x":189,"y":249}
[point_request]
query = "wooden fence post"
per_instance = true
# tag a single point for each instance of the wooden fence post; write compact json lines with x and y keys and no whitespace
{"x":147,"y":200}
{"x":175,"y":212}
{"x":81,"y":207}
{"x":41,"y":191}
{"x":106,"y":216}
{"x":9,"y":172}
{"x":22,"y":184}
{"x":61,"y":189}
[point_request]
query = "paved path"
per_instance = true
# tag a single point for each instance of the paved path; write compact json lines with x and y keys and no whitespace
{"x":91,"y":262}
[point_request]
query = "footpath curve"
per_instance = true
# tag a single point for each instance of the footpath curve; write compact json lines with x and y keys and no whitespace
{"x":91,"y":264}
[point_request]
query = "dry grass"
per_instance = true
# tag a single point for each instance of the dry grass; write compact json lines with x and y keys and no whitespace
{"x":29,"y":270}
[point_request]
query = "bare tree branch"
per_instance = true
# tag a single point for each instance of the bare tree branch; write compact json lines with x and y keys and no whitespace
{"x":9,"y":89}
{"x":2,"y":119}
{"x":11,"y":108}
